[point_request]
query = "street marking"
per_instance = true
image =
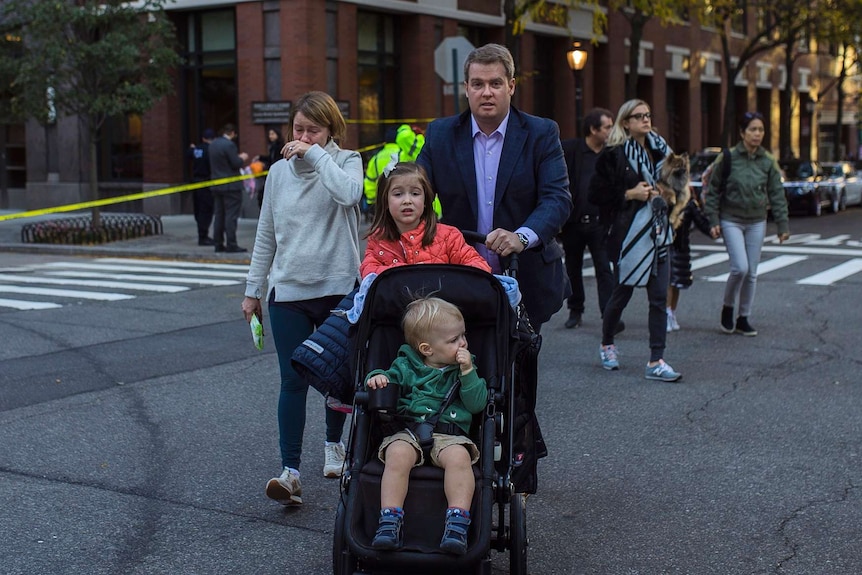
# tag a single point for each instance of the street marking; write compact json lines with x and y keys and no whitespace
{"x":174,"y":264}
{"x":141,"y":268}
{"x":710,"y":260}
{"x":765,"y":267}
{"x":27,"y":305}
{"x":93,"y":283}
{"x":834,"y":274}
{"x":140,"y":278}
{"x":65,"y":293}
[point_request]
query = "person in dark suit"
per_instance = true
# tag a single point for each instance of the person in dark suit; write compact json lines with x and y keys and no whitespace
{"x":585,"y":228}
{"x":202,"y":197}
{"x":225,"y":162}
{"x":501,"y":172}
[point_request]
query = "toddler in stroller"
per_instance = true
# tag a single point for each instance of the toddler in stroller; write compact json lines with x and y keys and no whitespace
{"x":431,"y":369}
{"x":503,"y":429}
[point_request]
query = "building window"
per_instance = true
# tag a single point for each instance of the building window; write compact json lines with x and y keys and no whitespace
{"x":377,"y":63}
{"x":209,"y":89}
{"x":120,"y":149}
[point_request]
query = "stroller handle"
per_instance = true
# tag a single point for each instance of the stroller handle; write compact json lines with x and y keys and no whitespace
{"x":472,"y":237}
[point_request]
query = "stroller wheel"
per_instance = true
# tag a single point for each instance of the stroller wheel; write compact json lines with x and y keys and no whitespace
{"x":518,"y":534}
{"x":343,"y":563}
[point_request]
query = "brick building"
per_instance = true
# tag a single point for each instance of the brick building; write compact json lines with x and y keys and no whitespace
{"x":244,"y":62}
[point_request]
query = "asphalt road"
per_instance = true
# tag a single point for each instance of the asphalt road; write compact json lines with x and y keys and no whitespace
{"x":136,"y":437}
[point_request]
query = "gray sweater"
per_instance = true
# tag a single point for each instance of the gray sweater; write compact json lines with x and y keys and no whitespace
{"x":307,"y":238}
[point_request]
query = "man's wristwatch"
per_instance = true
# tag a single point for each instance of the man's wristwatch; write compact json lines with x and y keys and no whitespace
{"x":523,"y":239}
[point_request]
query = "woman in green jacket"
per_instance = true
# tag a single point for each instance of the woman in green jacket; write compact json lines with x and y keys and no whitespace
{"x":737,"y":212}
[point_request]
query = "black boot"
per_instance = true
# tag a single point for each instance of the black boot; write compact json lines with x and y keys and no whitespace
{"x":727,"y":319}
{"x":743,"y":327}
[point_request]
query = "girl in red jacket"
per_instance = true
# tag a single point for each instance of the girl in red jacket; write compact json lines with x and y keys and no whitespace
{"x":405,"y":228}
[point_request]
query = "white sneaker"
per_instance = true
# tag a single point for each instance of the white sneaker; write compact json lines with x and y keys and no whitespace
{"x":334,"y":460}
{"x":286,"y":489}
{"x":669,"y":322}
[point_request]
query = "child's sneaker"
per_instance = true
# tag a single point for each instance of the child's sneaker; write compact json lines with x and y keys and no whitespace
{"x":662,"y":372}
{"x":333,"y":465}
{"x":609,"y":357}
{"x":388,"y":536}
{"x":286,"y":489}
{"x":455,"y":534}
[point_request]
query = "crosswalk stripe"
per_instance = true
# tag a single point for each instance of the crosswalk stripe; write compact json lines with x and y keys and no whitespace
{"x":174,"y":264}
{"x":27,"y":305}
{"x":139,"y":268}
{"x":140,"y":278}
{"x":710,"y":260}
{"x":163,"y":288}
{"x":832,"y":275}
{"x":65,"y":293}
{"x":765,"y":266}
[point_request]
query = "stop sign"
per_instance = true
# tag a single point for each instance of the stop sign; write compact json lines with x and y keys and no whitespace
{"x":443,"y":56}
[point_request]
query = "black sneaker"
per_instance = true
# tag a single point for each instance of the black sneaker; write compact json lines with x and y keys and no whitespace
{"x":574,"y":320}
{"x":727,"y":319}
{"x":743,"y":327}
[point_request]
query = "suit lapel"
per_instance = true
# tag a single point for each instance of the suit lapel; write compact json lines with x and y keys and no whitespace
{"x":513,"y":145}
{"x":464,"y":157}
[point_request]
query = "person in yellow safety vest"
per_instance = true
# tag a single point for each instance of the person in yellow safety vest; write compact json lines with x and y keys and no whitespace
{"x":409,"y":142}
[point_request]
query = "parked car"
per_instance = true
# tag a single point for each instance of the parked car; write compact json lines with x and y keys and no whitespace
{"x":698,"y":165}
{"x":805,"y":187}
{"x":845,"y":178}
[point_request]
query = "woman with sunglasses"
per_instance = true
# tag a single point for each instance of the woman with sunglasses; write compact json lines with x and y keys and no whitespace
{"x":624,"y":189}
{"x":737,"y":209}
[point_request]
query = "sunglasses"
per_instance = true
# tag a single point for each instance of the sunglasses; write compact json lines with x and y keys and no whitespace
{"x":640,"y":117}
{"x":749,"y":116}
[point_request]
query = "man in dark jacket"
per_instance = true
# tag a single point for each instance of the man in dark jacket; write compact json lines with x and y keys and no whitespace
{"x":225,"y":162}
{"x":585,"y":229}
{"x":523,"y":200}
{"x":202,"y":198}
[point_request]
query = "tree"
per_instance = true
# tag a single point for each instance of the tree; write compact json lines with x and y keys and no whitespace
{"x":90,"y":59}
{"x":779,"y":22}
{"x":636,"y":12}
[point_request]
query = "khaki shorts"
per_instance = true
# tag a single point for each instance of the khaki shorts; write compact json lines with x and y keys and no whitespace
{"x":441,"y":441}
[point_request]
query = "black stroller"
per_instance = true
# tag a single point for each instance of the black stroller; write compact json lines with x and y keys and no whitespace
{"x":506,"y":433}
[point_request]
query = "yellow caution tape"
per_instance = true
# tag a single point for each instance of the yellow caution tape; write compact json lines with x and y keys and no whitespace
{"x":128,"y":198}
{"x":393,"y":121}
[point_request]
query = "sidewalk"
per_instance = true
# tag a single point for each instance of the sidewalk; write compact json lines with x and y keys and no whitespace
{"x":179,"y":240}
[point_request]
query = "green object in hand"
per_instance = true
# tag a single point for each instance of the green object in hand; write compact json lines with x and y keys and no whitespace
{"x":256,"y":331}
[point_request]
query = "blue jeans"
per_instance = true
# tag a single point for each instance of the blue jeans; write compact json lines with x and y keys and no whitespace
{"x":656,"y":289}
{"x":743,"y":243}
{"x":292,"y":322}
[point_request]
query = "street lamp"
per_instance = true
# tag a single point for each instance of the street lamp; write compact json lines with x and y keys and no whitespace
{"x":577,"y":59}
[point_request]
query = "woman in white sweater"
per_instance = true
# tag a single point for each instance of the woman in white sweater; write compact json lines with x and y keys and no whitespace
{"x":307,"y":243}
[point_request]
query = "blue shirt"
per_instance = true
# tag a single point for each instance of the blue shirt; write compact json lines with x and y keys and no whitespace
{"x":486,"y":157}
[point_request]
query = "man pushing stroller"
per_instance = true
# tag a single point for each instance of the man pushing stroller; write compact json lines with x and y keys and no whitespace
{"x":434,"y":359}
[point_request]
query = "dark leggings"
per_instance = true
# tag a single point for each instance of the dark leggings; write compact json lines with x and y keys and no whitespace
{"x":292,"y":323}
{"x":656,"y":294}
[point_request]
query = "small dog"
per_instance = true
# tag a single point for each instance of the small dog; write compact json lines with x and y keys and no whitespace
{"x":674,"y":186}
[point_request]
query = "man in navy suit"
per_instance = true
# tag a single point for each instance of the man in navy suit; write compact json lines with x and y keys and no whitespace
{"x":501,"y":172}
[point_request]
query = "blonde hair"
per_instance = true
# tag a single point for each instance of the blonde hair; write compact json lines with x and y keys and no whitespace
{"x":423,"y":315}
{"x":490,"y":54}
{"x":320,"y":108}
{"x":618,"y":133}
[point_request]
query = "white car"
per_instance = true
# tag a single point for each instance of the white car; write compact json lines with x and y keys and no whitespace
{"x":846,"y":179}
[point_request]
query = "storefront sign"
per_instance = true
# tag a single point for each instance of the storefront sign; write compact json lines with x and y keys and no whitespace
{"x":270,"y":112}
